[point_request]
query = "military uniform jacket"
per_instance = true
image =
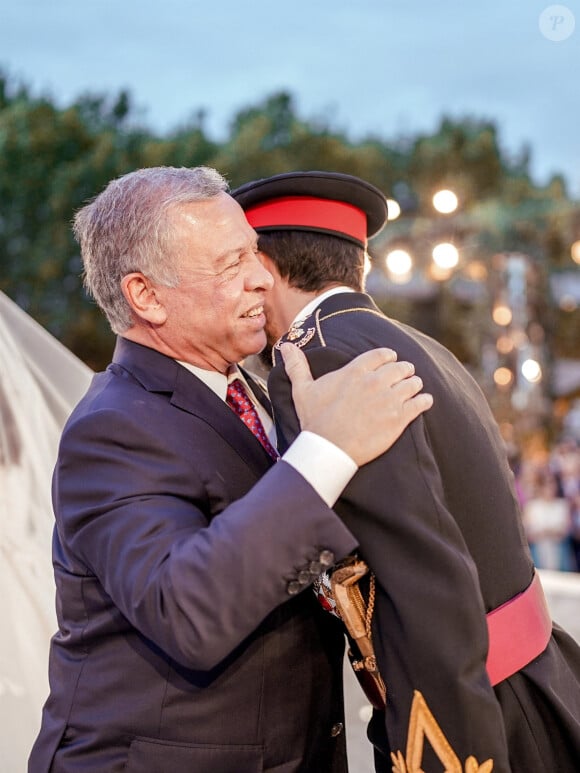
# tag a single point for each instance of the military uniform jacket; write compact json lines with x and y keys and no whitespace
{"x":180,"y":646}
{"x":437,"y":519}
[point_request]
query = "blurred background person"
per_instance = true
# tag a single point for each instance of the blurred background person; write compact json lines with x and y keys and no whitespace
{"x":547,"y":523}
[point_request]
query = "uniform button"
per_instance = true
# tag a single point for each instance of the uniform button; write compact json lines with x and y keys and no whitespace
{"x":315,"y":567}
{"x":304,"y":577}
{"x":326,"y":557}
{"x":336,"y":729}
{"x":294,"y":587}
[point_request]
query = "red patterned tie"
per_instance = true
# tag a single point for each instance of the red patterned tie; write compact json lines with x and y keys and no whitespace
{"x":238,"y":400}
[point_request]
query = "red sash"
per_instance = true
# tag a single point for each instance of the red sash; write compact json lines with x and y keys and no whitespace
{"x":519,"y":631}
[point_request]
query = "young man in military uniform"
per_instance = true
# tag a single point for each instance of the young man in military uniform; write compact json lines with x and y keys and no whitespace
{"x":477,"y":676}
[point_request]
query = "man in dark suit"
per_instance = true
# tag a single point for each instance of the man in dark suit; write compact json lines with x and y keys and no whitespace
{"x":477,"y":678}
{"x":181,"y":549}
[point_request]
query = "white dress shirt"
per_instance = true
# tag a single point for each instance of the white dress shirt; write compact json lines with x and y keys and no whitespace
{"x":326,"y":467}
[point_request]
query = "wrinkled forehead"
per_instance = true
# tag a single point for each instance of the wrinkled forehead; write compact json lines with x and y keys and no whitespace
{"x":211,"y":230}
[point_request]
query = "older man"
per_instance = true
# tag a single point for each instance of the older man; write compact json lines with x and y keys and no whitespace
{"x":181,"y":548}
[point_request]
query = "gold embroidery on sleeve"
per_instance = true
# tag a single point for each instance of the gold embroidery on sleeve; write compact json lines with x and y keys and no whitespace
{"x":473,"y":766}
{"x":399,"y":764}
{"x":422,"y":724}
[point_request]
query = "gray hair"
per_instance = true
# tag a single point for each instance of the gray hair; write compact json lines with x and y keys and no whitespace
{"x":125,"y":229}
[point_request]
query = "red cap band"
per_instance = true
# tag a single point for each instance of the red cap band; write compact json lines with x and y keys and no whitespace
{"x":310,"y":212}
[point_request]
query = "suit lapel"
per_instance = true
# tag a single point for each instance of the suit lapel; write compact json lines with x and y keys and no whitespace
{"x":194,"y":396}
{"x":158,"y":373}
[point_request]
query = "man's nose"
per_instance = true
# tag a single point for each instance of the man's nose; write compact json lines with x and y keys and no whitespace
{"x":259,"y":276}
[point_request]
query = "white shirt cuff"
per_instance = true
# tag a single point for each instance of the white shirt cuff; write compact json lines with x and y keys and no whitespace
{"x":326,"y":467}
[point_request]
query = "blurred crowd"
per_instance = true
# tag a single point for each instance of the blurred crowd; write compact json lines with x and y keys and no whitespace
{"x":549,"y":493}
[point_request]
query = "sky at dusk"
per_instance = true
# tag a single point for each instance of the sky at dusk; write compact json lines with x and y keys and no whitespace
{"x":376,"y":67}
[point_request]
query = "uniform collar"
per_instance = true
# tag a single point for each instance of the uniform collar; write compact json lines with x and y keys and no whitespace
{"x":307,"y":310}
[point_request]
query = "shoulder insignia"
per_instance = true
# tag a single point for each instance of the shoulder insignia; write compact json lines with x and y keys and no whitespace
{"x":298,"y":336}
{"x":294,"y":333}
{"x":423,"y":725}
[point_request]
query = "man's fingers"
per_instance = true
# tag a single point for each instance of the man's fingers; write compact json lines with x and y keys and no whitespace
{"x":372,"y":360}
{"x":298,"y":369}
{"x":414,"y":402}
{"x":416,"y":406}
{"x":392,"y":373}
{"x":362,"y":407}
{"x":407,"y":387}
{"x":296,"y":364}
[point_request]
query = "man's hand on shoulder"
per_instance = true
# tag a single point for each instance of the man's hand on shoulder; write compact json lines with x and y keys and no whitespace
{"x":362,"y":407}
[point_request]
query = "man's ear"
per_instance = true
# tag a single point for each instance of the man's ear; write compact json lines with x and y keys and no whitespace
{"x":140,"y":294}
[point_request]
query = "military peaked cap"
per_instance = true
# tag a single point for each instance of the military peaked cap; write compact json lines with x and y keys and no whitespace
{"x":325,"y":202}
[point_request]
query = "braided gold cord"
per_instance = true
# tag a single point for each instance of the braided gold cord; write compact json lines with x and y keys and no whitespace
{"x":349,"y":311}
{"x":370,"y":605}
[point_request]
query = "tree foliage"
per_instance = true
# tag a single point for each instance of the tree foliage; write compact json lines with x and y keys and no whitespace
{"x":54,"y":159}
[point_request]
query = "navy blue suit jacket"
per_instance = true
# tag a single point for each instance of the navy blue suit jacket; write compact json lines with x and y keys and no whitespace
{"x":177,"y":545}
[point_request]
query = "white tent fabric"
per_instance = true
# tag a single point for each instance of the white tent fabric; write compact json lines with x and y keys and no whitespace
{"x":40,"y":382}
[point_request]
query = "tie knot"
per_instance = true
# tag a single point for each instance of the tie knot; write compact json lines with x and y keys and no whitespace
{"x":237,"y":397}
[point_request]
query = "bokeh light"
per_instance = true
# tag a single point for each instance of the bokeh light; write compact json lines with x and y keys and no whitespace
{"x":399,"y":262}
{"x":445,"y":202}
{"x":393,"y":209}
{"x":503,"y":376}
{"x":505,"y":344}
{"x":476,"y":270}
{"x":502,"y":314}
{"x":446,"y":255}
{"x":531,"y":371}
